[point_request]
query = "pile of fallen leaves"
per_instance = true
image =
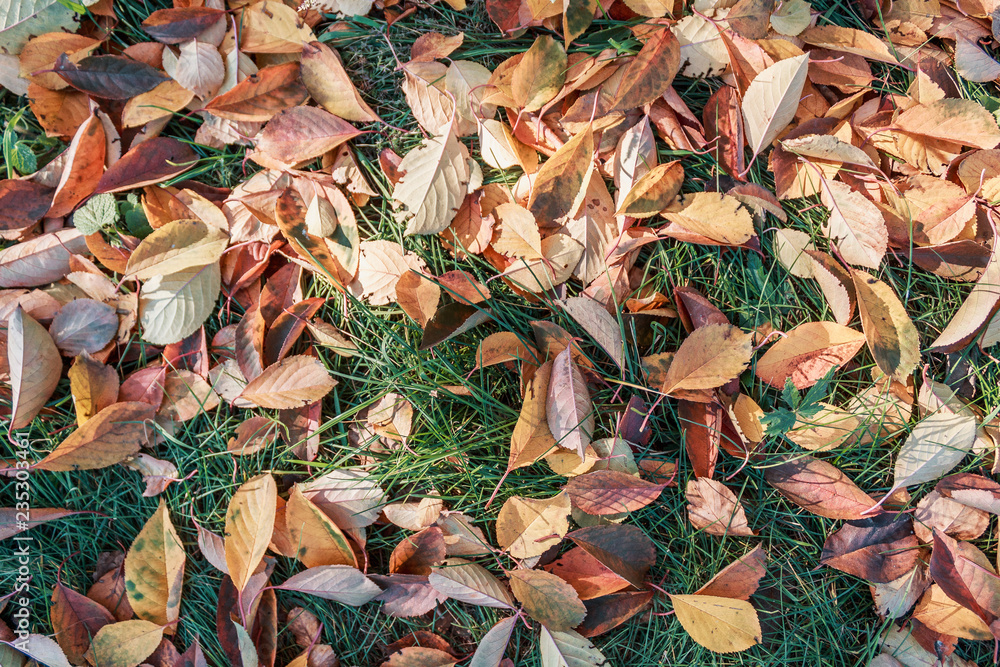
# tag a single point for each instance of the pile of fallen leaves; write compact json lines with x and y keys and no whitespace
{"x":116,"y":258}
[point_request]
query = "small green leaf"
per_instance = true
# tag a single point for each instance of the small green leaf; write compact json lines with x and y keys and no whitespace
{"x":23,"y":159}
{"x":99,"y":212}
{"x":138,"y":226}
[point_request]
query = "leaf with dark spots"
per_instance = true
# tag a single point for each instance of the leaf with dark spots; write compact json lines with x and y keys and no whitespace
{"x":878,"y":549}
{"x":109,"y":77}
{"x":609,"y":611}
{"x":449,"y":321}
{"x":176,"y":25}
{"x":153,"y":161}
{"x":23,"y":203}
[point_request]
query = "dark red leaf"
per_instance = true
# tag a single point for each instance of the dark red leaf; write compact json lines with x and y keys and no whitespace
{"x":609,"y":611}
{"x":878,"y":549}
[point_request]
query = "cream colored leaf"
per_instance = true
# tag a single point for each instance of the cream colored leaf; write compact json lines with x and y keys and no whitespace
{"x":789,"y":249}
{"x":424,"y":89}
{"x":493,"y":645}
{"x":199,"y":68}
{"x":519,"y":236}
{"x":470,"y":583}
{"x":722,"y":625}
{"x":435,"y":182}
{"x":855,"y":226}
{"x":249,"y":525}
{"x":937,"y":444}
{"x":601,"y":326}
{"x":379,"y":268}
{"x":41,"y":260}
{"x":291,"y":383}
{"x":340,"y":583}
{"x":975,"y":310}
{"x":174,"y":306}
{"x":634,"y":157}
{"x":703,"y":53}
{"x":569,"y":649}
{"x":771,"y":100}
{"x":714,"y":508}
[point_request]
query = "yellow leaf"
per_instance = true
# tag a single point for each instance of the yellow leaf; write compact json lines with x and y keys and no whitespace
{"x":154,"y":571}
{"x":723,"y":625}
{"x":316,"y":537}
{"x":249,"y":524}
{"x":527,"y":528}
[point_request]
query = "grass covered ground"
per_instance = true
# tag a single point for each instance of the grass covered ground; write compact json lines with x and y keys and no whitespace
{"x":810,"y":615}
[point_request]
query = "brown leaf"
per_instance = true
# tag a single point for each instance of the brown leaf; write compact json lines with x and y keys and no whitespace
{"x":936,"y":512}
{"x":819,"y":487}
{"x":701,"y":429}
{"x":740,"y":579}
{"x":966,"y":576}
{"x":83,"y":170}
{"x":418,"y":553}
{"x":75,"y":619}
{"x":301,"y":133}
{"x":11,"y":524}
{"x":715,"y":508}
{"x":152,"y":161}
{"x":24,"y":203}
{"x":110,"y":436}
{"x":587,"y":575}
{"x":878,"y":549}
{"x":649,"y":73}
{"x":623,"y":549}
{"x":605,"y":492}
{"x":609,"y":611}
{"x":262,"y":95}
{"x":418,"y":296}
{"x":569,"y":411}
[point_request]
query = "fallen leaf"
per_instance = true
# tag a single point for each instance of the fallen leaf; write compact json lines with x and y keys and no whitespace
{"x":547,"y":599}
{"x":878,"y":549}
{"x":249,"y":524}
{"x":722,"y":625}
{"x":770,"y":102}
{"x":714,"y":508}
{"x":808,"y":353}
{"x":154,"y":571}
{"x":527,"y":528}
{"x":113,"y":434}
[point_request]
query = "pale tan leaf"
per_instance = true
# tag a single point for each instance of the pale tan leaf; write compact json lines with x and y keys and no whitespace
{"x":41,"y":260}
{"x":174,"y":306}
{"x":199,"y":68}
{"x":292,"y":382}
{"x":433,"y":186}
{"x":470,"y":583}
{"x":379,"y":268}
{"x":937,"y":444}
{"x":714,"y":508}
{"x":568,"y":649}
{"x":855,"y":226}
{"x":975,"y":310}
{"x":716,"y":216}
{"x":34,"y":364}
{"x":772,"y":99}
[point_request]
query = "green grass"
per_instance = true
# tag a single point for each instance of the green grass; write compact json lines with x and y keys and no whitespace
{"x":811,"y":615}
